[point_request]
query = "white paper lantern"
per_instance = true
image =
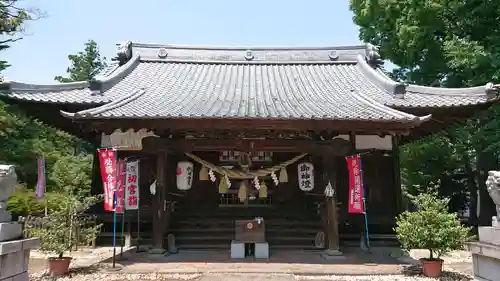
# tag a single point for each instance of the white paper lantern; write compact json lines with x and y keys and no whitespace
{"x":185,"y":173}
{"x":305,"y":171}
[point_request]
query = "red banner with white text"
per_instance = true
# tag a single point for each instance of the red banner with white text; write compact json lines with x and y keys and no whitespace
{"x":120,"y":190}
{"x":355,"y":204}
{"x":107,"y":160}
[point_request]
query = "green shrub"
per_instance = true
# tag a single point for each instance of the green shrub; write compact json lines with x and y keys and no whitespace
{"x":431,"y":227}
{"x":23,"y":202}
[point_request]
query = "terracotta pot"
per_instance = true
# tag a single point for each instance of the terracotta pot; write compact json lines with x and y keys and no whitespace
{"x":432,"y":268}
{"x":59,"y":266}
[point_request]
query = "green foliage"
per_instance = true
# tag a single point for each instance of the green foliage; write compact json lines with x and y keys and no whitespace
{"x":432,"y":227}
{"x":442,"y":43}
{"x":67,"y":224}
{"x":73,"y":173}
{"x":12,"y":20}
{"x":62,"y":229}
{"x":84,"y":65}
{"x":24,"y":140}
{"x":23,"y":201}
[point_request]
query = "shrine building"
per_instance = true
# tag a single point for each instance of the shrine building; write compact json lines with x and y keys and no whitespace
{"x":246,"y":120}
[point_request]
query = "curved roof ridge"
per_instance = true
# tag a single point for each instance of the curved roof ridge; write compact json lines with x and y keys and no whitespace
{"x":109,"y":106}
{"x":114,"y":77}
{"x":243,"y":62}
{"x":469,"y":91}
{"x":28,"y":87}
{"x":379,"y":75}
{"x":382,"y":81}
{"x":244,"y":48}
{"x":388,"y":110}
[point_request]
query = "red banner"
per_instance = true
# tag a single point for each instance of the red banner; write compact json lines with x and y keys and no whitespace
{"x":355,"y":204}
{"x":107,"y":160}
{"x":120,"y":191}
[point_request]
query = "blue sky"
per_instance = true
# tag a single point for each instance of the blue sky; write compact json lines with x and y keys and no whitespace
{"x":42,"y":54}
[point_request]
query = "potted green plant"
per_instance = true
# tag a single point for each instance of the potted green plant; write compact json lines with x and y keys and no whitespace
{"x":66,"y":225}
{"x":62,"y":229}
{"x":431,"y":227}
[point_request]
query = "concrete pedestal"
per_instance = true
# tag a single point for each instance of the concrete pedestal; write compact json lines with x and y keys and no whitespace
{"x":486,"y":254}
{"x":262,"y":250}
{"x":14,"y":259}
{"x":237,"y":250}
{"x":10,"y":230}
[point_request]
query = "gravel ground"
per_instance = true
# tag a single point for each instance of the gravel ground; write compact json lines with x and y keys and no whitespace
{"x":98,"y":273}
{"x":247,"y":277}
{"x":84,"y":268}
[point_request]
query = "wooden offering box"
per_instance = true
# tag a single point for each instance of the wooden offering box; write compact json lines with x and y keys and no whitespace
{"x":250,"y":231}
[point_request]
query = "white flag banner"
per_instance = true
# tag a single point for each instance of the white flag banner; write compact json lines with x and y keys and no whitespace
{"x":132,"y":186}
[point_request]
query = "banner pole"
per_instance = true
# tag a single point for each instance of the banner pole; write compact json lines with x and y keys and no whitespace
{"x":114,"y":230}
{"x":138,"y":244}
{"x":115,"y":199}
{"x":367,"y":236}
{"x":123,"y":179}
{"x":123,"y":233}
{"x":138,"y":224}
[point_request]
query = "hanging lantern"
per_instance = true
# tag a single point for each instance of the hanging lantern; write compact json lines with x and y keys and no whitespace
{"x":184,"y":175}
{"x":275,"y":178}
{"x":305,"y":171}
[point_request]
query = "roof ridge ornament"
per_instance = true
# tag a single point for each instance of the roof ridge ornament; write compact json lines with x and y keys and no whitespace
{"x":491,"y":89}
{"x":124,"y":53}
{"x":162,"y":53}
{"x":249,"y":55}
{"x":373,"y":55}
{"x":333,"y":55}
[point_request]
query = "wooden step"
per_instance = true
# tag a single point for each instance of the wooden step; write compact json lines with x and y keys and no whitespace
{"x":231,"y":237}
{"x":269,"y":231}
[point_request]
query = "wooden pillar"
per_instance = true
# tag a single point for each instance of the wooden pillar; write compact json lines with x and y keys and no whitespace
{"x":332,"y":220}
{"x":159,"y":205}
{"x":397,"y":175}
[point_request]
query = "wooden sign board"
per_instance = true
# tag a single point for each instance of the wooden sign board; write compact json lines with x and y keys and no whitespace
{"x":249,"y":231}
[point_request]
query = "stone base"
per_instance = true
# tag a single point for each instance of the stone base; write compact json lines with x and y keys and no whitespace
{"x":485,"y":260}
{"x":10,"y":231}
{"x":157,"y":251}
{"x":332,"y":254}
{"x":5,"y":216}
{"x":262,"y":250}
{"x":489,"y":234}
{"x":14,"y":259}
{"x":237,"y":250}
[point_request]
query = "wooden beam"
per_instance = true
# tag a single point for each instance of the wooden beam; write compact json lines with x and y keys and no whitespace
{"x":335,"y":147}
{"x":204,"y":124}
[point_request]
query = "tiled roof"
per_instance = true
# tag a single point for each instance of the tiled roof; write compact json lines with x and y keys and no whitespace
{"x":415,"y":96}
{"x":261,"y":82}
{"x":84,"y":93}
{"x":234,"y":90}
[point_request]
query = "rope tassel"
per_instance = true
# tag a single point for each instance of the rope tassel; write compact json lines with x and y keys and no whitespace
{"x":283,"y":175}
{"x":203,"y":173}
